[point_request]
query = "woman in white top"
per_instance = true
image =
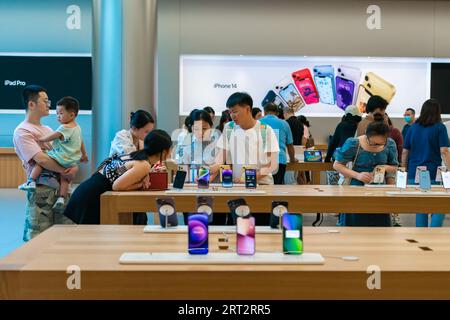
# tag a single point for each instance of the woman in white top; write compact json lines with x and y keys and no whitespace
{"x":198,"y":147}
{"x":131,"y":140}
{"x":127,"y":141}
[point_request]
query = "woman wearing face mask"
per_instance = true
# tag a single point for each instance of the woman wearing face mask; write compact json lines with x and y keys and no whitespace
{"x":375,"y":148}
{"x":118,"y":173}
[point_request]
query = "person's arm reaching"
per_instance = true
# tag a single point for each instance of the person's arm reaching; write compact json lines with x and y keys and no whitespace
{"x":365,"y":177}
{"x":84,"y":156}
{"x":445,"y":153}
{"x":133,"y":178}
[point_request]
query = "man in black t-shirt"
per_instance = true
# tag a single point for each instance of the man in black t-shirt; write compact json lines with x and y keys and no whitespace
{"x":295,"y":124}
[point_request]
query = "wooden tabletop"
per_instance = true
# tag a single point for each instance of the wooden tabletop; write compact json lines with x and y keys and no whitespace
{"x":38,"y":269}
{"x":301,"y":198}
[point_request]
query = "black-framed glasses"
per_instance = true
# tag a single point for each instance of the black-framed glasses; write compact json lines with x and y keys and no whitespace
{"x":376,"y":144}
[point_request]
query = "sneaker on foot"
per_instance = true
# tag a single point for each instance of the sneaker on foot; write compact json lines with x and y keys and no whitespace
{"x":28,"y":186}
{"x":59,"y":204}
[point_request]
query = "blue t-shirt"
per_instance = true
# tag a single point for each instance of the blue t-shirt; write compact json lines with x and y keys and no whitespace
{"x":283,"y":133}
{"x":424,"y":145}
{"x":365,"y":161}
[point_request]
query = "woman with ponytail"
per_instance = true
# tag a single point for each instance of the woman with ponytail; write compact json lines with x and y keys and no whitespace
{"x":118,"y":173}
{"x":127,"y":141}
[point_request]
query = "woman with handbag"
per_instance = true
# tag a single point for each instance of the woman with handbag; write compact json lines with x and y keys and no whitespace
{"x":366,"y":152}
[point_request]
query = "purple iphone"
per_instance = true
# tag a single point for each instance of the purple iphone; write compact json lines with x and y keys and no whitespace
{"x":198,"y":233}
{"x":344,"y":92}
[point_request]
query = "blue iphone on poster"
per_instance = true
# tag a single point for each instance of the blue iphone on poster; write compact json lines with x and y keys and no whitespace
{"x":424,"y":180}
{"x":325,"y":83}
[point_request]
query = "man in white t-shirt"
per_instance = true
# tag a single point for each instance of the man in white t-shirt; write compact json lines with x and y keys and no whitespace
{"x":246,"y":142}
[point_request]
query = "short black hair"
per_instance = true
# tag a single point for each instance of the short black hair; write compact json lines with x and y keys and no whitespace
{"x":255,"y":111}
{"x":270,"y":108}
{"x":412,"y":110}
{"x":31,"y":93}
{"x":140,"y":119}
{"x":209,"y":110}
{"x":430,"y":113}
{"x":201,"y":115}
{"x":240,"y":98}
{"x":376,"y":102}
{"x":70,"y":104}
{"x":377,"y":128}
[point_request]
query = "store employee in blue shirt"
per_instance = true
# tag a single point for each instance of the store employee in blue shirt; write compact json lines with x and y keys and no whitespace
{"x":426,"y":144}
{"x":284,"y":136}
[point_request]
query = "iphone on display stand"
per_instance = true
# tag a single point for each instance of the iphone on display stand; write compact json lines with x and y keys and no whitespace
{"x":203,"y":178}
{"x":424,"y":180}
{"x":180,"y":178}
{"x":401,"y":178}
{"x":292,"y":233}
{"x":439,"y":172}
{"x":305,"y":85}
{"x":226,"y":176}
{"x":417,"y":176}
{"x":325,"y":83}
{"x":250,"y":178}
{"x":245,"y":235}
{"x":198,"y":233}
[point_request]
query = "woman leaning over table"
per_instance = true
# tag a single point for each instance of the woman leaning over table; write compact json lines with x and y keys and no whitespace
{"x":375,"y":148}
{"x":118,"y":173}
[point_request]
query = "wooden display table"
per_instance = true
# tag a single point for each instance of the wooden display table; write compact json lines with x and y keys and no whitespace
{"x":117,"y":206}
{"x":38,"y":270}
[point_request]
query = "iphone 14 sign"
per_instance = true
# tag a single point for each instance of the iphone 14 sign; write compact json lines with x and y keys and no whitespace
{"x":245,"y":233}
{"x":305,"y":85}
{"x":198,"y":233}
